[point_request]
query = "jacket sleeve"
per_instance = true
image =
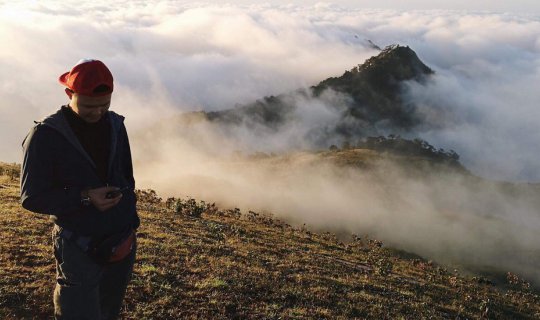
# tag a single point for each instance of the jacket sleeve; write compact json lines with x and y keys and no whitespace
{"x":128,"y":172}
{"x":38,"y":190}
{"x":128,"y":165}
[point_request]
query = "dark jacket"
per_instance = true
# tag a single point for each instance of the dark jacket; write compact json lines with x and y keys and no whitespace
{"x":56,"y":168}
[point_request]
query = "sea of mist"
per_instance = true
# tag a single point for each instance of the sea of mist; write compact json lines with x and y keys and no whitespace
{"x":449,"y":216}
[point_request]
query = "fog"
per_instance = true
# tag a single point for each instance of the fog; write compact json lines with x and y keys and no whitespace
{"x":452,"y":218}
{"x":169,"y":58}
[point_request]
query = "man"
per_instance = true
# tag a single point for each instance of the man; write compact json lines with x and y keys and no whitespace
{"x":77,"y":168}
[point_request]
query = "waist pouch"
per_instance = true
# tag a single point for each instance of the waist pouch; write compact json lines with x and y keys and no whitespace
{"x":108,"y":250}
{"x":113,"y":248}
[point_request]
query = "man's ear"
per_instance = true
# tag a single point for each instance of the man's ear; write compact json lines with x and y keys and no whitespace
{"x":69,"y":93}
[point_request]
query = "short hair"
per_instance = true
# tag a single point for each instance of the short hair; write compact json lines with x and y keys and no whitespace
{"x":101,"y":89}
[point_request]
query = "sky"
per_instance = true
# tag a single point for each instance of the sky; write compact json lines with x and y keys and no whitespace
{"x":516,"y":6}
{"x":171,"y":57}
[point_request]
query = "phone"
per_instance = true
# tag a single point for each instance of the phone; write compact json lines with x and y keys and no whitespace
{"x":115,"y":193}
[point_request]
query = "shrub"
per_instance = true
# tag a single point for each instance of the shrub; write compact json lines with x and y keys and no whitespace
{"x":148,"y":199}
{"x":190,"y":207}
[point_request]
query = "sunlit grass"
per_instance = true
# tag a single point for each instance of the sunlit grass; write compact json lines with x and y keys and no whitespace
{"x":230,"y":265}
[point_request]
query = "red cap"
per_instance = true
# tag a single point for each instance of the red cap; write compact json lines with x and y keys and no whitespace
{"x":86,"y":76}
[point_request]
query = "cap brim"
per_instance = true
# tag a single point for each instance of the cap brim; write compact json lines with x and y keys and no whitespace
{"x":63,"y":79}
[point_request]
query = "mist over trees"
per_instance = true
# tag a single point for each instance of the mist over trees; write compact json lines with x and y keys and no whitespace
{"x":365,"y":101}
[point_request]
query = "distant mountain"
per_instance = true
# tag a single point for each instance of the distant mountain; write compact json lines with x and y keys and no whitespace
{"x":367,"y":98}
{"x":367,"y":101}
{"x":376,"y":86}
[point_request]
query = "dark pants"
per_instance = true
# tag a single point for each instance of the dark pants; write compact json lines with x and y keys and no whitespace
{"x":85,"y":289}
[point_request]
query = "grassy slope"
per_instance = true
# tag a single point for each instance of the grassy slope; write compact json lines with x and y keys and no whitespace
{"x":227,"y":265}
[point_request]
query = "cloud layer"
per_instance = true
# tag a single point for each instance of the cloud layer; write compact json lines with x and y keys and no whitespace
{"x":169,"y":57}
{"x":439,"y":215}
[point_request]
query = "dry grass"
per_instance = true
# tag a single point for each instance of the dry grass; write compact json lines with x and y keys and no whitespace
{"x":227,"y":265}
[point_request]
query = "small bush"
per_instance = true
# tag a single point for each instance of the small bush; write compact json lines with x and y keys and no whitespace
{"x":148,"y":199}
{"x":13,"y":171}
{"x":190,"y":207}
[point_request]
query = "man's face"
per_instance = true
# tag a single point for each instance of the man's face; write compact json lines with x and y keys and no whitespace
{"x":90,"y":109}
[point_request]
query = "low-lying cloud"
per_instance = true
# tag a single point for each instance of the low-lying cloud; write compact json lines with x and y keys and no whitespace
{"x":451,"y":218}
{"x":169,"y":57}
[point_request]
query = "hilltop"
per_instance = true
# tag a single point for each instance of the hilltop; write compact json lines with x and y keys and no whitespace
{"x":372,"y":91}
{"x":367,"y":100}
{"x":376,"y":87}
{"x":196,"y":260}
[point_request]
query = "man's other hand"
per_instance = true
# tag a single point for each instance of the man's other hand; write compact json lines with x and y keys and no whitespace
{"x":99,"y":199}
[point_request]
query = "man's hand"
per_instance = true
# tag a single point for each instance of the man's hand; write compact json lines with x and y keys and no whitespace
{"x":98,"y":199}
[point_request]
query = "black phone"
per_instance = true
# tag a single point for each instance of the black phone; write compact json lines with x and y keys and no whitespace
{"x":115,"y":193}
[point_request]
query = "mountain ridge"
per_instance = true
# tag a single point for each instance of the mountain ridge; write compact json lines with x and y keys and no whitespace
{"x":367,"y":100}
{"x":375,"y":85}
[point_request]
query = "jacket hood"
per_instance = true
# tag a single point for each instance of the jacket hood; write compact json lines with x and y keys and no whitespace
{"x":58,"y":122}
